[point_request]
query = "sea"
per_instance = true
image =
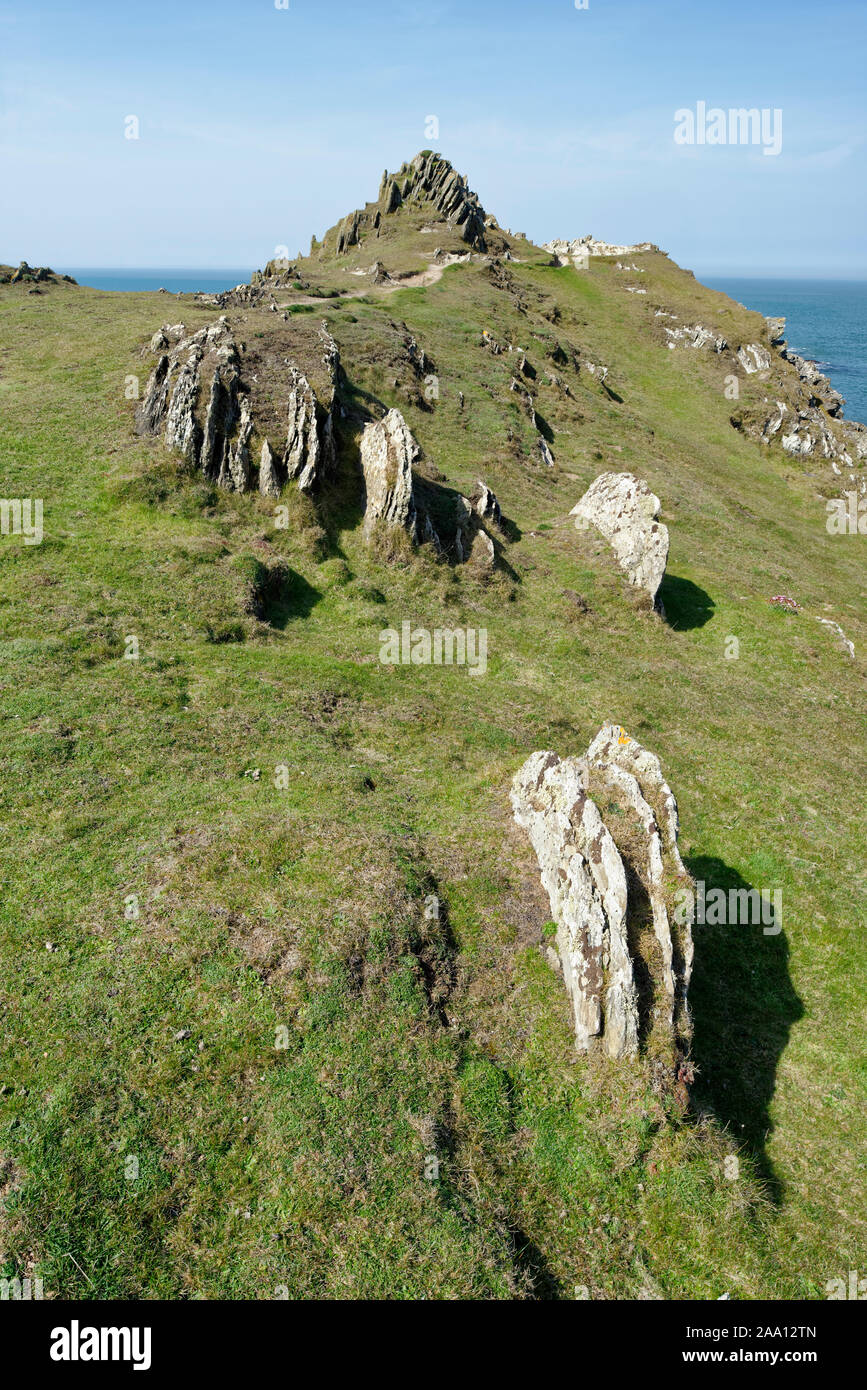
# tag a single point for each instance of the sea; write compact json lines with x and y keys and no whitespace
{"x":826,"y":320}
{"x":175,"y":279}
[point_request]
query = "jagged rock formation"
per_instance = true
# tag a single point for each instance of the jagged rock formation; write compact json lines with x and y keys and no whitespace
{"x":821,"y":392}
{"x":219,"y":438}
{"x":432,"y":179}
{"x":309,"y":450}
{"x":388,"y":451}
{"x":485,"y":503}
{"x":625,"y":961}
{"x":29,"y":274}
{"x":187,"y":367}
{"x":626,"y":512}
{"x":428,"y":181}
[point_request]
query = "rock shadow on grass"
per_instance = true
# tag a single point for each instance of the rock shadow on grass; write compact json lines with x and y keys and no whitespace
{"x":744,"y":1005}
{"x":685,"y":605}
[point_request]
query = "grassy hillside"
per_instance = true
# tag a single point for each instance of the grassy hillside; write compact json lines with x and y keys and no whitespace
{"x":238,"y":1058}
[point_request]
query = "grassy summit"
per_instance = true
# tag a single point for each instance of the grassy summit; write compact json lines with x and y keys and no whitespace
{"x":238,"y":1057}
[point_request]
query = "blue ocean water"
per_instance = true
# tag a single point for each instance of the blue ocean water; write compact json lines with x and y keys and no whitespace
{"x":175,"y":279}
{"x":825,"y":320}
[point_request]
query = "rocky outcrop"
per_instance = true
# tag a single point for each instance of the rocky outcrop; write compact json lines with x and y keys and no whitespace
{"x":485,"y":504}
{"x":855,"y":435}
{"x":309,"y":451}
{"x":626,"y":512}
{"x":32,"y":275}
{"x":754,"y":358}
{"x":804,"y":411}
{"x":430,"y":178}
{"x":626,"y":959}
{"x":388,"y":452}
{"x":196,"y":400}
{"x":582,"y":247}
{"x":808,"y":431}
{"x":205,"y":363}
{"x":821,"y":392}
{"x":696,"y":336}
{"x":428,"y":181}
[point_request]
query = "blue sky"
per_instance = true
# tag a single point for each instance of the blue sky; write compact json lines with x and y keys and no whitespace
{"x":259,"y":126}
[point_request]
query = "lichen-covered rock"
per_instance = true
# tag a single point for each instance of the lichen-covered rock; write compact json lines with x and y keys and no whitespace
{"x":309,"y":449}
{"x":222,"y":416}
{"x":626,"y":512}
{"x":152,"y":410}
{"x":173,"y":393}
{"x":754,"y":358}
{"x":240,"y":462}
{"x":182,"y":431}
{"x":581,"y":248}
{"x":388,"y":452}
{"x":625,"y":962}
{"x":583,"y":875}
{"x":545,"y":451}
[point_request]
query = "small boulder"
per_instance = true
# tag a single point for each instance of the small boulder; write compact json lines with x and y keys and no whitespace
{"x":485,"y":503}
{"x":626,"y":512}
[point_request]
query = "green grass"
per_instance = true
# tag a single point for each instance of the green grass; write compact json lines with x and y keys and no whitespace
{"x":338,"y":1040}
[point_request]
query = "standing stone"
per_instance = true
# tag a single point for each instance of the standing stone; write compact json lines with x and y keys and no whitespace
{"x":626,"y":512}
{"x":584,"y":877}
{"x":269,"y":482}
{"x":240,"y":464}
{"x":388,"y":451}
{"x":587,"y":866}
{"x":302,"y":455}
{"x":485,"y":503}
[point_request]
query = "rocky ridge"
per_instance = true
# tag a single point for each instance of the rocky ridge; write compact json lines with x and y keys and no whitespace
{"x":426,"y":182}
